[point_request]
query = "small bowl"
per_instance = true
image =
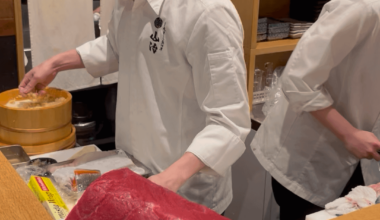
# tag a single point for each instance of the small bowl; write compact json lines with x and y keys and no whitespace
{"x":45,"y":160}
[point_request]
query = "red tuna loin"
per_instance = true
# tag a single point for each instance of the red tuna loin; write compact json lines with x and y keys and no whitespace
{"x":122,"y":194}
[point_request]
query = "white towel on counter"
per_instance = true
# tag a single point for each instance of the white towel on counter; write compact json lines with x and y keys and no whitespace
{"x":106,"y":8}
{"x":57,"y":26}
{"x":359,"y":197}
{"x":322,"y":215}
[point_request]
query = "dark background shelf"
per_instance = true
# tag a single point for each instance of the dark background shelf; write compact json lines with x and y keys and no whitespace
{"x":96,"y":98}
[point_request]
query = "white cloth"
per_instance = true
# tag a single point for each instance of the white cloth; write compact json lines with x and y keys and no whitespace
{"x":96,"y":16}
{"x":335,"y":63}
{"x":322,"y":215}
{"x":359,"y":197}
{"x":106,"y":8}
{"x":182,"y":88}
{"x":57,"y":26}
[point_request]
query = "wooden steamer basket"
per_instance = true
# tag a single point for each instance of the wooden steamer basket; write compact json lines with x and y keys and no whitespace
{"x":39,"y":130}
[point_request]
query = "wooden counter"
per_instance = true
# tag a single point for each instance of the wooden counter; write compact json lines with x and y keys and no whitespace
{"x":369,"y":213}
{"x":17,"y":202}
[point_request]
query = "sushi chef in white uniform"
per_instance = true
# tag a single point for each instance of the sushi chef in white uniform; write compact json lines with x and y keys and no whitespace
{"x":327,"y":120}
{"x":182,"y":106}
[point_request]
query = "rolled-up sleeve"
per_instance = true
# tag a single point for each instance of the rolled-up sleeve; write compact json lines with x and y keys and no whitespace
{"x":340,"y":28}
{"x":100,"y":56}
{"x":215,"y":52}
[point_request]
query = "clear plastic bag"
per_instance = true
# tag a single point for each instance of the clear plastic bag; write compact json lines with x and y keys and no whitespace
{"x":63,"y":188}
{"x":274,"y":90}
{"x":27,"y":171}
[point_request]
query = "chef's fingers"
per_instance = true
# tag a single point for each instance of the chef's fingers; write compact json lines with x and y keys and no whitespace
{"x":42,"y":92}
{"x":25,"y":81}
{"x":30,"y":85}
{"x":40,"y":89}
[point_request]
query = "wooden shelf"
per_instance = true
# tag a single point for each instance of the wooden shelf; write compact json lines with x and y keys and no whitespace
{"x":257,"y":54}
{"x":275,"y":46}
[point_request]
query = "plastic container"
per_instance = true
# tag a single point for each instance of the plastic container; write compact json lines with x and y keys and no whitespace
{"x":15,"y":155}
{"x":258,"y":79}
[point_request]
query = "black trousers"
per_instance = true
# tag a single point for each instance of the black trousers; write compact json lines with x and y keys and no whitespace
{"x":293,"y":207}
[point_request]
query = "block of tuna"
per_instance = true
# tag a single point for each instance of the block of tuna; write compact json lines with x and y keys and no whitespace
{"x":122,"y":194}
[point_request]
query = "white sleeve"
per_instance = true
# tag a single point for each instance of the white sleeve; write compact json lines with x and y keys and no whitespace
{"x":215,"y":52}
{"x":100,"y":56}
{"x":340,"y":28}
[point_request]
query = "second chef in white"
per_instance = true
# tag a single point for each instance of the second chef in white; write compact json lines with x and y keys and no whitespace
{"x":325,"y":124}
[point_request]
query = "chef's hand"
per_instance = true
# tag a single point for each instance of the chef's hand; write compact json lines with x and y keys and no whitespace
{"x":42,"y":75}
{"x":363,"y":144}
{"x":179,"y":172}
{"x":170,"y":183}
{"x":38,"y":78}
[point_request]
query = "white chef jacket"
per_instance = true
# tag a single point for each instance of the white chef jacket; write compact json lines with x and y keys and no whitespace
{"x":182,"y":88}
{"x":336,"y":63}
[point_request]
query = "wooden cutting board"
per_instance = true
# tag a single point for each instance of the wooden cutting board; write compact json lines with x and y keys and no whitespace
{"x":17,"y":202}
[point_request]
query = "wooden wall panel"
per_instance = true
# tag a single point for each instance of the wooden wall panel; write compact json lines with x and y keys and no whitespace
{"x":7,"y":27}
{"x":275,"y":8}
{"x":11,"y":44}
{"x":7,"y":21}
{"x":6,"y":9}
{"x":19,"y":39}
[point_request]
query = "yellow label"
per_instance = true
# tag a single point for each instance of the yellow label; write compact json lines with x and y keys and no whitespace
{"x":44,"y":189}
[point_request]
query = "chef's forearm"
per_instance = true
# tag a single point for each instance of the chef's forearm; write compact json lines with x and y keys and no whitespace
{"x":335,"y":122}
{"x":66,"y":61}
{"x":184,"y":168}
